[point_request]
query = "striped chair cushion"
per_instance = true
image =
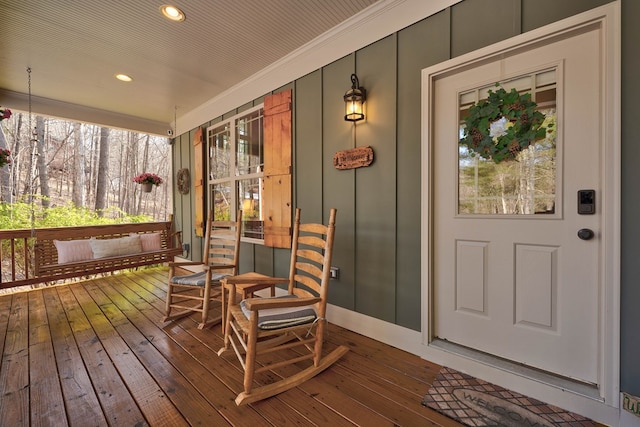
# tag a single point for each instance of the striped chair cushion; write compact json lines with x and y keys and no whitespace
{"x":197,"y":279}
{"x":276,"y":318}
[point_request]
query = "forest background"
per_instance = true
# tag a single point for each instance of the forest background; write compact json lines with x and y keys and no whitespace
{"x":64,"y":173}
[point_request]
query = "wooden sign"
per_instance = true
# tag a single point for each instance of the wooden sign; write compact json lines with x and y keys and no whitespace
{"x":354,"y":158}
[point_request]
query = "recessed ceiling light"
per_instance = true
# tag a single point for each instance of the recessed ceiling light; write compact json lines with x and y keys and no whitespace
{"x":124,"y":77}
{"x":172,"y":12}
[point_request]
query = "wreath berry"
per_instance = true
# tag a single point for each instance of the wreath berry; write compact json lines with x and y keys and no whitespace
{"x":518,"y":124}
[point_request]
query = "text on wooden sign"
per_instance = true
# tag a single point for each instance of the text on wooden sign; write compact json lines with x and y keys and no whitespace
{"x":353,"y":158}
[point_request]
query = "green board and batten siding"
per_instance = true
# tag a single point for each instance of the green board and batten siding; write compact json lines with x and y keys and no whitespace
{"x":378,"y":224}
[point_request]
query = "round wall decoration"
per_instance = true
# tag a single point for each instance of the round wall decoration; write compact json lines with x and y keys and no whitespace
{"x":501,"y":126}
{"x":183,"y":181}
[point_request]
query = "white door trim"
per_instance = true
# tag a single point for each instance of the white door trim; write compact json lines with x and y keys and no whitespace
{"x":608,"y":18}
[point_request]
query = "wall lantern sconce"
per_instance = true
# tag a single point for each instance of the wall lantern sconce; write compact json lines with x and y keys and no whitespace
{"x":354,"y":101}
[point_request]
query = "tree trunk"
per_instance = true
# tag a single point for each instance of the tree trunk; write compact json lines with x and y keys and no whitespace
{"x":93,"y":162}
{"x":42,"y":162}
{"x":17,"y":159}
{"x":78,"y":170}
{"x":145,"y":162}
{"x":103,"y":172}
{"x":5,"y":176}
{"x":29,"y":188}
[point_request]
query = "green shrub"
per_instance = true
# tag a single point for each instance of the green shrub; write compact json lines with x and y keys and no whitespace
{"x":20,"y":215}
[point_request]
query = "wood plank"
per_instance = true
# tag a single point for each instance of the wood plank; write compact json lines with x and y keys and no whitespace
{"x":180,"y":391}
{"x":118,"y":404}
{"x":5,"y":311}
{"x":106,"y":335}
{"x":323,"y":392}
{"x":186,"y":354}
{"x":402,"y":361}
{"x":203,"y":344}
{"x":81,"y":402}
{"x":47,"y":405}
{"x":150,"y":398}
{"x":221,"y":388}
{"x":14,"y":377}
{"x":404,"y":405}
{"x":349,"y":406}
{"x":305,"y":404}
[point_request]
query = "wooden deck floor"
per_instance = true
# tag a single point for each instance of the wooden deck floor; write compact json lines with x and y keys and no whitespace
{"x":96,"y":353}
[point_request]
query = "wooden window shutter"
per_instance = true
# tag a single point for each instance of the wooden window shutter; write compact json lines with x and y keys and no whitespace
{"x":277,"y":170}
{"x":198,"y":181}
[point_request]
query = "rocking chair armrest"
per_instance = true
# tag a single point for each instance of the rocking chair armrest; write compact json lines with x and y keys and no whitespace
{"x":257,"y":280}
{"x":218,"y":266}
{"x":181,"y":263}
{"x":255,"y":304}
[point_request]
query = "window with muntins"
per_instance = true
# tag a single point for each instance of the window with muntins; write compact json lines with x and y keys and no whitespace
{"x":236,"y":170}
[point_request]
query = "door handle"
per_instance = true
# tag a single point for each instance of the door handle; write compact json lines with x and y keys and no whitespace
{"x":586,"y":234}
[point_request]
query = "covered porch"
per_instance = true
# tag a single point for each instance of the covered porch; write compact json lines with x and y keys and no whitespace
{"x":95,"y":352}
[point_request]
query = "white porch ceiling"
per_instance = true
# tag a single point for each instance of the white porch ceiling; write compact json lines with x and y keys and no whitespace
{"x":75,"y":47}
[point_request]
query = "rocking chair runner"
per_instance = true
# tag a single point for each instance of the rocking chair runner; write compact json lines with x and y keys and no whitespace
{"x":194,"y":292}
{"x":259,"y":327}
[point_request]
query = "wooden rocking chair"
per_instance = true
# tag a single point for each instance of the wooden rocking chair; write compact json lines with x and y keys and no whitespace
{"x":194,"y":292}
{"x":293,"y":324}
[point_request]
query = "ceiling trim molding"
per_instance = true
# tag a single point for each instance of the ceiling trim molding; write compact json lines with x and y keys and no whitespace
{"x":372,"y":24}
{"x":67,"y":111}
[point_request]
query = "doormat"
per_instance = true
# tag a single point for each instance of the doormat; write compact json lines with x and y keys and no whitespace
{"x":475,"y":403}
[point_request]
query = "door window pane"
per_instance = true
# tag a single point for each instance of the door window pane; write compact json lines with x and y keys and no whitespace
{"x":523,"y":186}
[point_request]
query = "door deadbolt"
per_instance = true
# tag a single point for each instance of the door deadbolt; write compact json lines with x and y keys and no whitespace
{"x":586,"y":234}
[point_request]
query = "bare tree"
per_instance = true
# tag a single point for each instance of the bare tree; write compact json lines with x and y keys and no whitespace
{"x":29,"y":184}
{"x":17,"y":162}
{"x":103,"y":171}
{"x":86,"y":164}
{"x":42,"y":162}
{"x":5,"y":177}
{"x":78,"y":169}
{"x":145,"y":162}
{"x":92,"y":157}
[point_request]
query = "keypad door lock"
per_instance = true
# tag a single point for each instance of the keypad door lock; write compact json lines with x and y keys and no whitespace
{"x":586,"y":202}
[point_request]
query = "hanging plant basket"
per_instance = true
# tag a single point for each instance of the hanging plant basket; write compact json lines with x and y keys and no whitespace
{"x":503,"y":125}
{"x":147,"y":181}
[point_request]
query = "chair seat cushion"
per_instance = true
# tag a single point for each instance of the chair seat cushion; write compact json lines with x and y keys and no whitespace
{"x":197,"y":279}
{"x":276,"y":318}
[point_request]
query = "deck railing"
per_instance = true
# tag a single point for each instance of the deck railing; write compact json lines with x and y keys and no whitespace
{"x":18,"y":252}
{"x":16,"y":258}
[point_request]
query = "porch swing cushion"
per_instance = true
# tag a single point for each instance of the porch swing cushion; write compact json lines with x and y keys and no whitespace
{"x":73,"y":250}
{"x":197,"y":279}
{"x":103,"y":248}
{"x":277,"y":318}
{"x":150,"y":241}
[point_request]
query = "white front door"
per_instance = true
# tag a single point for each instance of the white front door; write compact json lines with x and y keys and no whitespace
{"x":511,"y":276}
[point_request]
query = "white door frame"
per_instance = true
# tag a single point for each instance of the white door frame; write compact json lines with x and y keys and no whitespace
{"x":605,"y":407}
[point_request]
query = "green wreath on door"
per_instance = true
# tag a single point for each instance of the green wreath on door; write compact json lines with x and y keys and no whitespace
{"x":516,"y":124}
